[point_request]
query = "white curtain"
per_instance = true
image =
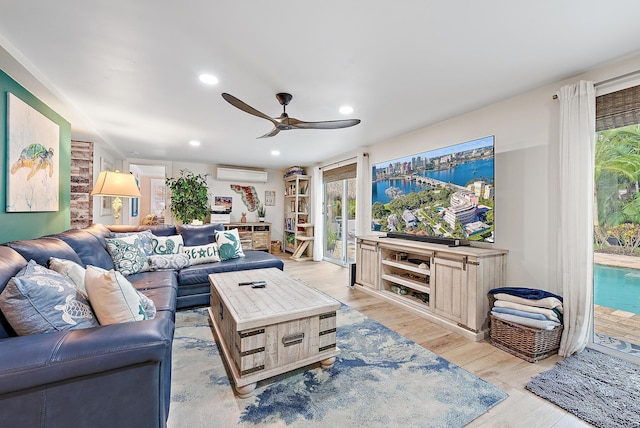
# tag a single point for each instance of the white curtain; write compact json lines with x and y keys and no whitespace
{"x":318,"y":214}
{"x":575,"y":209}
{"x":363,"y":195}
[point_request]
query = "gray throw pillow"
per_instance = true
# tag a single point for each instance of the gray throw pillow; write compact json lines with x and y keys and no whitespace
{"x":168,"y":261}
{"x":39,"y":300}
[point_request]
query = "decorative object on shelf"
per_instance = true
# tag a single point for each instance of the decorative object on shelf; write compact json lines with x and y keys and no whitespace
{"x":284,"y":122}
{"x":294,"y":170}
{"x":249,"y":196}
{"x":116,"y":184}
{"x":189,"y":197}
{"x":262,"y":212}
{"x":243,"y":219}
{"x":34,"y":182}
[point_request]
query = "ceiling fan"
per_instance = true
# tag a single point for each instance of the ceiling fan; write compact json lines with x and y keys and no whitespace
{"x":284,"y":122}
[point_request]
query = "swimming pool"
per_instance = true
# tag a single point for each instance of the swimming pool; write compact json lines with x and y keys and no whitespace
{"x":616,"y":287}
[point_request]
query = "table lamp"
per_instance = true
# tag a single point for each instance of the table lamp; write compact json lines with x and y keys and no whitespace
{"x":117,"y":184}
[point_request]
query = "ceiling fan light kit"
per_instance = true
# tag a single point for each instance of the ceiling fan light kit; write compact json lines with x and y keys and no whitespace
{"x":284,"y":122}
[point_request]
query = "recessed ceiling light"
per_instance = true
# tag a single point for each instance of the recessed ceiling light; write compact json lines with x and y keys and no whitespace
{"x":275,"y":153}
{"x":346,"y":109}
{"x":194,"y":143}
{"x":209,"y":79}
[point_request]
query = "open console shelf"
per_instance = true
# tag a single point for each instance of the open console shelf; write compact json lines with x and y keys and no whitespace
{"x":447,"y":285}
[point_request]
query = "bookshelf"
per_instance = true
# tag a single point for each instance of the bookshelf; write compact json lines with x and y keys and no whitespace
{"x":298,"y":230}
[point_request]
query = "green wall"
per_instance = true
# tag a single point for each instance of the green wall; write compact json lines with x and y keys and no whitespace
{"x":14,"y":226}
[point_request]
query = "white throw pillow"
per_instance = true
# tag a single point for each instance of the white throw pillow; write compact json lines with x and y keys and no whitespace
{"x":71,"y":269}
{"x":113,"y":298}
{"x":229,"y":245}
{"x":202,"y":253}
{"x":167,"y":244}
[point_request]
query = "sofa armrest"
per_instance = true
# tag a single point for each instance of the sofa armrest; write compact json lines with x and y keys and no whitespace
{"x":41,"y":359}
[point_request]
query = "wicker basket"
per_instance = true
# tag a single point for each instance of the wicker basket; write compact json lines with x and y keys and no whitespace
{"x":530,"y":344}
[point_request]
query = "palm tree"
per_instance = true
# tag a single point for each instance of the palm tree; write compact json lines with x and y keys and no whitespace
{"x":617,"y":161}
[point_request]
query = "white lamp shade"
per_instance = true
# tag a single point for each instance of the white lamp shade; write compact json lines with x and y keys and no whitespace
{"x":115,"y":183}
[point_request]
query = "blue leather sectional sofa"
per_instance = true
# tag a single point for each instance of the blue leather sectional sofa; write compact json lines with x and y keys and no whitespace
{"x":108,"y":376}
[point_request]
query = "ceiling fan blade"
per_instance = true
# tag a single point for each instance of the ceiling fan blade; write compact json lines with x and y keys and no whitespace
{"x":246,"y":107}
{"x":273,"y":132}
{"x":328,"y":124}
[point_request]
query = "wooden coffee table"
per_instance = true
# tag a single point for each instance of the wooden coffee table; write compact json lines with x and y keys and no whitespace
{"x":267,"y":331}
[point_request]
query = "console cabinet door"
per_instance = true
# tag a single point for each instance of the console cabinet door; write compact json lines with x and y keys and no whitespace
{"x":449,"y":288}
{"x":367,"y":264}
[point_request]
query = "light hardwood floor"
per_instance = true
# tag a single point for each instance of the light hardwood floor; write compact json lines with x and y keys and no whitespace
{"x":511,"y":374}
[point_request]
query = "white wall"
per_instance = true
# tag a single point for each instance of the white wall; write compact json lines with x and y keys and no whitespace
{"x":526,"y":138}
{"x":274,"y":215}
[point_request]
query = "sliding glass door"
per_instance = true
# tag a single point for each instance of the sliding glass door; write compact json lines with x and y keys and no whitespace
{"x":616,"y":211}
{"x":340,"y":220}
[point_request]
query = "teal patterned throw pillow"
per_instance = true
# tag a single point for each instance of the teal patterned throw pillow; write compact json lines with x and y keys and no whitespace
{"x":127,"y":254}
{"x":167,"y":244}
{"x":39,"y":300}
{"x":229,"y":244}
{"x":146,"y":238}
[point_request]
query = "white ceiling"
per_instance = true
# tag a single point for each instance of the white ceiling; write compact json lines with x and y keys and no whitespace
{"x":127,"y":70}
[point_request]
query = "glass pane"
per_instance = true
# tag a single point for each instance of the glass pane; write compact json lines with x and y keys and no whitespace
{"x":617,"y":238}
{"x":333,"y":220}
{"x":350,"y":236}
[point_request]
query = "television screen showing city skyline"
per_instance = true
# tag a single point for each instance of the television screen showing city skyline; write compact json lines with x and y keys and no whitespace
{"x":447,"y":192}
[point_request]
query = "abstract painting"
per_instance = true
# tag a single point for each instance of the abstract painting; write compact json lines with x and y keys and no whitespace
{"x":33,"y":145}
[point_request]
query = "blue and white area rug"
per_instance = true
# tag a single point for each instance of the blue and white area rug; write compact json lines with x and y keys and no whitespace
{"x":380,"y":379}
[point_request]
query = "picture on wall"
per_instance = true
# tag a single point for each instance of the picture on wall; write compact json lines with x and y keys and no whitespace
{"x":33,"y":151}
{"x":269,"y":198}
{"x":135,"y":202}
{"x":223,"y":204}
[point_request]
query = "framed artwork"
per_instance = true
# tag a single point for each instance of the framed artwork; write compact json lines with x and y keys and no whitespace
{"x":135,"y":202}
{"x":105,"y":204}
{"x":223,"y":204}
{"x":33,"y":157}
{"x":269,"y":197}
{"x":158,"y":195}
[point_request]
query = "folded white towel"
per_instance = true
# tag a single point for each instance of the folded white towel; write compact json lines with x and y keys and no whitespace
{"x":547,"y":302}
{"x":545,"y":325}
{"x":552,"y":316}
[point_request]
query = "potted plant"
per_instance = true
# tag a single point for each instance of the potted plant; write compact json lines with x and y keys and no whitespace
{"x":262,"y":212}
{"x":332,"y":238}
{"x":189,"y":197}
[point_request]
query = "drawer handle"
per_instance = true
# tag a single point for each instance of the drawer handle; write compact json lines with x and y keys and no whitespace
{"x":292,"y":339}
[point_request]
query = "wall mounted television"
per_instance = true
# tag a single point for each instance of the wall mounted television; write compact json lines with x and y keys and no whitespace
{"x":445,"y":195}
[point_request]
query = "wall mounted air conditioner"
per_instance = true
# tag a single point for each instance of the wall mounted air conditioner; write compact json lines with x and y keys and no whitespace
{"x":240,"y":175}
